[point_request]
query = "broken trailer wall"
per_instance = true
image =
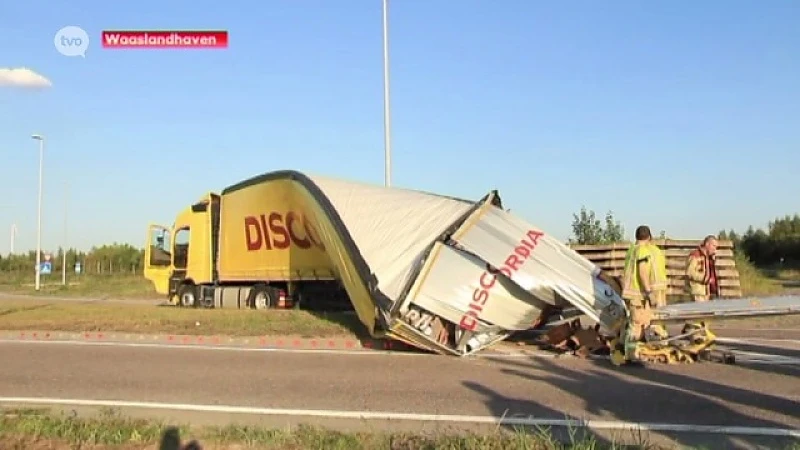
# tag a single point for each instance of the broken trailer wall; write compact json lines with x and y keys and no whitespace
{"x":495,"y":276}
{"x":395,"y":231}
{"x":544,"y":267}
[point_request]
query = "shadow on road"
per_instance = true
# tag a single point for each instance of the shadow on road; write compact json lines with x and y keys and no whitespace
{"x":655,"y":396}
{"x":789,"y":370}
{"x":516,"y":408}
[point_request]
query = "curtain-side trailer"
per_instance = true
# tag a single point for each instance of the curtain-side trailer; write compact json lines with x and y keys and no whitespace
{"x":447,"y":275}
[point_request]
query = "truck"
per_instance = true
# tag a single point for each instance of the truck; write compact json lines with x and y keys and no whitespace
{"x":440,"y":273}
{"x":222,"y":257}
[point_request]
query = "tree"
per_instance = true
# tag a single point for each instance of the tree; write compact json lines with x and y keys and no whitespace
{"x":106,"y":258}
{"x":588,"y":229}
{"x":613,"y":231}
{"x":778,"y":244}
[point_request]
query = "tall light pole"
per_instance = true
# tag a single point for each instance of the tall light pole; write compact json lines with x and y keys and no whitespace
{"x":39,"y":138}
{"x":13,"y":237}
{"x":64,"y":251}
{"x":386,"y":125}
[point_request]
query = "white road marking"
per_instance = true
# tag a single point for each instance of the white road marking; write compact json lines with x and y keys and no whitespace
{"x":231,"y":348}
{"x":211,"y":347}
{"x":518,"y":419}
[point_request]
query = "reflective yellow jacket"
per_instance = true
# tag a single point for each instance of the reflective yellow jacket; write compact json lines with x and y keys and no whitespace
{"x":652,"y":255}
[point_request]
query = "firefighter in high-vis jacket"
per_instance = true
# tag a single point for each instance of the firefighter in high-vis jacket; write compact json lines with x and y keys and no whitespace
{"x":702,"y":279}
{"x":644,"y":283}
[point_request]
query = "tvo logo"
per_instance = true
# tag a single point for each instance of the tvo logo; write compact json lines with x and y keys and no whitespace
{"x":71,"y":41}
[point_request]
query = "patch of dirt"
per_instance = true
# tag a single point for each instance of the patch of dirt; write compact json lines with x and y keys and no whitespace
{"x":28,"y":443}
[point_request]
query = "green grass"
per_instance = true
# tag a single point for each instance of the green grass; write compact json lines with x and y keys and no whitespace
{"x":40,"y":429}
{"x":789,"y":278}
{"x":119,"y":286}
{"x":32,"y":429}
{"x":44,"y":315}
{"x":755,"y":281}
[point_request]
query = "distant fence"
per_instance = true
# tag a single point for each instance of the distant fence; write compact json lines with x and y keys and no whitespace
{"x":611,"y":258}
{"x":86,"y":268}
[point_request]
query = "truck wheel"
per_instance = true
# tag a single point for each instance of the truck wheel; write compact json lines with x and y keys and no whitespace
{"x":262,"y":297}
{"x":187,"y":296}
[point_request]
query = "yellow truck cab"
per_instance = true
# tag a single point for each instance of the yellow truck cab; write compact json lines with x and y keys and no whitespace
{"x":180,"y":258}
{"x":182,"y":263}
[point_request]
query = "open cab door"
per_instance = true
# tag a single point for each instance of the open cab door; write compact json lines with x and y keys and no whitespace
{"x":158,"y":258}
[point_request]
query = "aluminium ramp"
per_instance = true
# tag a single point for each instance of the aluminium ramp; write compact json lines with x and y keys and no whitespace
{"x":729,"y":308}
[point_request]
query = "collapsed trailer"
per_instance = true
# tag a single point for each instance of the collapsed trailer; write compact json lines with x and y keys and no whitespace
{"x":442,"y":274}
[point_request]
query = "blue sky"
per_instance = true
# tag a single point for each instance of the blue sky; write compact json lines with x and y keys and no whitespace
{"x":682,"y":115}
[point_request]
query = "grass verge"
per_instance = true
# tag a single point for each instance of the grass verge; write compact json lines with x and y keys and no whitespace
{"x":754,"y":281}
{"x":120,"y":286}
{"x":40,"y":314}
{"x":32,"y":429}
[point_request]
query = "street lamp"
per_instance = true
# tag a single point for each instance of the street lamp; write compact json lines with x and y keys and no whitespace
{"x":64,"y":251}
{"x":39,"y":138}
{"x":13,"y":237}
{"x":386,"y":125}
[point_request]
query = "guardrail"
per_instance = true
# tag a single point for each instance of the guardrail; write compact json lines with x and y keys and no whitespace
{"x":611,"y":258}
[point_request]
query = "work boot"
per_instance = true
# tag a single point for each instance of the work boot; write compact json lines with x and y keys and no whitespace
{"x":630,"y":350}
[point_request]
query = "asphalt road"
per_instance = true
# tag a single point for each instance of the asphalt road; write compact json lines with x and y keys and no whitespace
{"x":702,"y":394}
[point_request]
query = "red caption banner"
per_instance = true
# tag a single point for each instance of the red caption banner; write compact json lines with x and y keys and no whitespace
{"x":164,"y":39}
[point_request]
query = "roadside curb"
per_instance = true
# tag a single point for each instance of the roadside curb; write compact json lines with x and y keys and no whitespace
{"x":277,"y":342}
{"x":250,"y":342}
{"x":151,"y":301}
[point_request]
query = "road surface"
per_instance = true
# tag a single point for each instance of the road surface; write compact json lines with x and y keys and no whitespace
{"x":765,"y":396}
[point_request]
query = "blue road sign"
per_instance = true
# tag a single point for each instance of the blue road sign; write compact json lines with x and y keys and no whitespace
{"x":46,"y":268}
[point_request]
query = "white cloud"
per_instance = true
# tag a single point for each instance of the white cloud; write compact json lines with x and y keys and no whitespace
{"x":22,"y":78}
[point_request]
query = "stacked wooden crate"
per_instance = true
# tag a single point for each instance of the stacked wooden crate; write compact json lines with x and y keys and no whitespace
{"x":611,"y":258}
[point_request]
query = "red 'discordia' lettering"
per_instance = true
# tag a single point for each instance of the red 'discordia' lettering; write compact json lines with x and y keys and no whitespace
{"x":488,"y":279}
{"x":279,"y":231}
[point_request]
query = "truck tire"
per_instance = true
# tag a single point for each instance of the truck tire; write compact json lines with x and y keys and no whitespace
{"x":262,"y":297}
{"x":187,"y":296}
